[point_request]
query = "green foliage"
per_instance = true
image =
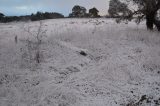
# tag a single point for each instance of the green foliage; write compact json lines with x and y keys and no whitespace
{"x":117,"y":9}
{"x":78,"y":11}
{"x":10,"y":19}
{"x":46,"y":15}
{"x":93,"y":12}
{"x":32,"y":17}
{"x":145,"y":9}
{"x":1,"y":16}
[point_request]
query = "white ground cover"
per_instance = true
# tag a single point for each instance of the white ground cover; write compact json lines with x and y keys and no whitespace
{"x":121,"y":65}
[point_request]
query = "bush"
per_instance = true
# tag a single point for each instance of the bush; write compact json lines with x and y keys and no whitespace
{"x":46,"y":15}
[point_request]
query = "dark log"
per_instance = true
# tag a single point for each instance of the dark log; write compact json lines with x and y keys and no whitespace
{"x":83,"y":53}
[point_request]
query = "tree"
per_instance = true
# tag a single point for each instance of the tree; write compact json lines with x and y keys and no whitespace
{"x":93,"y":12}
{"x":117,"y":9}
{"x":46,"y":15}
{"x":158,"y":14}
{"x":1,"y":16}
{"x":146,"y":9}
{"x":39,"y":15}
{"x":56,"y":15}
{"x":34,"y":53}
{"x":78,"y":11}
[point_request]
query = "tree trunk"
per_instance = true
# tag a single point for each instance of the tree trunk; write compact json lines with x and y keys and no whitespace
{"x":157,"y":24}
{"x":150,"y":21}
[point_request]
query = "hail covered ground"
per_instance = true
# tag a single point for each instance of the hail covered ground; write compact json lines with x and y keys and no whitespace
{"x":82,"y":62}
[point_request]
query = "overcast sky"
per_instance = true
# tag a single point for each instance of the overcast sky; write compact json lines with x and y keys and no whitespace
{"x":23,"y":7}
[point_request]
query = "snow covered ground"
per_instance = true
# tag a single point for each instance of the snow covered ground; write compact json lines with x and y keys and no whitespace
{"x":83,"y":62}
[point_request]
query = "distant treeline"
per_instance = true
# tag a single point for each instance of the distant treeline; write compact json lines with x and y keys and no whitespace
{"x":32,"y":17}
{"x":46,"y":15}
{"x":77,"y":12}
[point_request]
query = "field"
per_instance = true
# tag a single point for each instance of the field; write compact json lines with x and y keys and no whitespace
{"x":81,"y":62}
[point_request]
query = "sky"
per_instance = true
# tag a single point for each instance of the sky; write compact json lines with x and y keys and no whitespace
{"x":26,"y":7}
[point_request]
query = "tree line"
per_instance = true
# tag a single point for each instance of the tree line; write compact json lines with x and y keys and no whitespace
{"x":80,"y":12}
{"x":32,"y":17}
{"x":77,"y":12}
